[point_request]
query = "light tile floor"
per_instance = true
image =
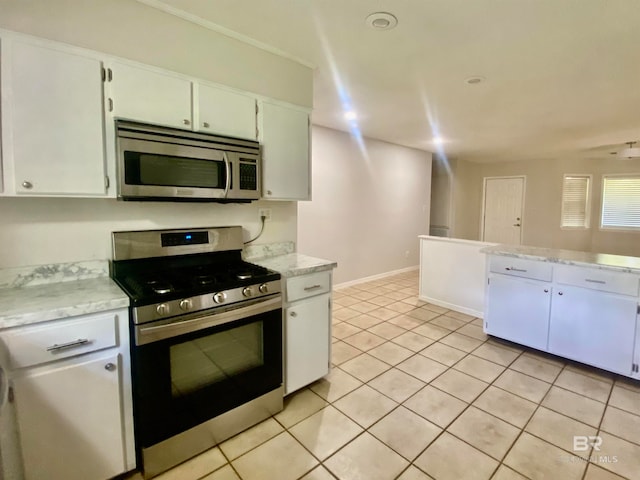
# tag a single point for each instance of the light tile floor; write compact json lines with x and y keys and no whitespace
{"x":420,"y":392}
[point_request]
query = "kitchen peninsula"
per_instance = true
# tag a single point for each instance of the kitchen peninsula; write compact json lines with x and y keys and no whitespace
{"x":578,"y":305}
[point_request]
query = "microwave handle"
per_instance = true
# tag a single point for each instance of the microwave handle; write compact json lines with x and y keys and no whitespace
{"x":227,"y":166}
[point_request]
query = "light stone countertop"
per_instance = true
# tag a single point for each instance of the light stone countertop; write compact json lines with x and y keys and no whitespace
{"x":40,"y":303}
{"x":294,"y":264}
{"x":602,"y":261}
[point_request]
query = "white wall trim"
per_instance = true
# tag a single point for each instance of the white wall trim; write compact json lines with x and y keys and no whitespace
{"x":452,"y":306}
{"x":350,"y":283}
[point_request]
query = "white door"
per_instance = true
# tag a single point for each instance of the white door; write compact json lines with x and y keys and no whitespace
{"x":596,"y":328}
{"x":150,"y":96}
{"x":224,"y":112}
{"x":53,"y":121}
{"x":70,"y":419}
{"x":518,"y":310}
{"x":503,"y":199}
{"x":307,"y":342}
{"x":284,"y":135}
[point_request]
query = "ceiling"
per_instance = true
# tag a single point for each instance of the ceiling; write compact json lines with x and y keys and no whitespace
{"x":562,"y":77}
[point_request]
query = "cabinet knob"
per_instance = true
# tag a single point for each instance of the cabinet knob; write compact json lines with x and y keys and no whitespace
{"x":560,"y":293}
{"x":293,"y":314}
{"x":546,"y":290}
{"x":268,"y":192}
{"x":186,"y":122}
{"x":27,"y":184}
{"x":205,"y":124}
{"x":110,"y":367}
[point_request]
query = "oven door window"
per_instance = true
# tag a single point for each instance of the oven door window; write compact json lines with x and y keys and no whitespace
{"x":183,"y":381}
{"x":172,"y":171}
{"x":197,"y":364}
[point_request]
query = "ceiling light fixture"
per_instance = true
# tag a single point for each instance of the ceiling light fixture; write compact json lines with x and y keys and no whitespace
{"x":476,"y":79}
{"x":631,"y":152}
{"x":350,"y":115}
{"x":381,"y":21}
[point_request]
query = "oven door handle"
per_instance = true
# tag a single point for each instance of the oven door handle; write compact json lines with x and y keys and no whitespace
{"x":227,"y":166}
{"x":145,"y":335}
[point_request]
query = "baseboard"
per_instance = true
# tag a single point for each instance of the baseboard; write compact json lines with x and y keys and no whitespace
{"x":350,"y":283}
{"x":452,"y":306}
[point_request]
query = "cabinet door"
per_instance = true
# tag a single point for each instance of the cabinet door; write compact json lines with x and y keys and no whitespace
{"x":284,"y":134}
{"x":307,"y":340}
{"x":69,"y":418}
{"x":225,"y":113}
{"x":518,"y":310}
{"x":150,"y":96}
{"x":53,"y":123}
{"x":592,"y":327}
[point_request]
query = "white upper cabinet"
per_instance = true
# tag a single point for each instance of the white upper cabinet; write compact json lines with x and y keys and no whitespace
{"x":149,"y":95}
{"x":52,"y":121}
{"x":224,"y":112}
{"x":284,"y":135}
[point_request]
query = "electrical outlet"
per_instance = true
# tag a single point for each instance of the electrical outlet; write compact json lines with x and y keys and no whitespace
{"x":266,"y":213}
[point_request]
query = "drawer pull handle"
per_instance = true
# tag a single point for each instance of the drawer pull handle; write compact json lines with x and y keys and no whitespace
{"x":513,"y":269}
{"x":76,"y":343}
{"x":312,"y":287}
{"x":601,"y":282}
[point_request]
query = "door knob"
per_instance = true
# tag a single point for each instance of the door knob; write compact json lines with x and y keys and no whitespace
{"x":516,"y":224}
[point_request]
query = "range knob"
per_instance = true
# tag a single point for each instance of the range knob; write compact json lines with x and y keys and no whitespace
{"x":247,"y":291}
{"x":185,"y":304}
{"x":263,"y":288}
{"x":219,"y":297}
{"x":162,"y":309}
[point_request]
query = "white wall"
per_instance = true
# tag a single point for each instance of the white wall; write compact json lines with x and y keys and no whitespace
{"x":36,"y":231}
{"x":543,"y":202}
{"x":367,"y":209}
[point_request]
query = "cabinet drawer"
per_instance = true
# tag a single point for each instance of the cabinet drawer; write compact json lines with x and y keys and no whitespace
{"x":308,"y":285}
{"x":604,"y":280}
{"x":521,"y":268}
{"x":60,"y":339}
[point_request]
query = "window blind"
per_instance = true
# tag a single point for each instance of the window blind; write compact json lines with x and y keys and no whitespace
{"x":621,"y":202}
{"x":575,"y":201}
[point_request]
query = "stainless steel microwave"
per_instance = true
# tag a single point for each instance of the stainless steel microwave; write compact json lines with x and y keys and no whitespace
{"x":159,"y":163}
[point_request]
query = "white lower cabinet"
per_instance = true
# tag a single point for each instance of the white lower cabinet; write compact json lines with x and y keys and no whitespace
{"x":307,"y":329}
{"x":596,"y":328}
{"x":518,"y":310}
{"x":308,"y":341}
{"x":73,"y":408}
{"x":585,"y":314}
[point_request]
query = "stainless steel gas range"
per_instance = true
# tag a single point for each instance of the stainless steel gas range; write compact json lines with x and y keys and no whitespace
{"x":206,"y":333}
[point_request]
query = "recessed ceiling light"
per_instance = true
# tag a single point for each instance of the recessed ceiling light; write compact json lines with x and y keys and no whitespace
{"x":381,"y":21}
{"x":350,"y":115}
{"x":475,"y":80}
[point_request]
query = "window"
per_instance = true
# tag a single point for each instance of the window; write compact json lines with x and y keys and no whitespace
{"x":621,"y":202}
{"x":576,"y":201}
